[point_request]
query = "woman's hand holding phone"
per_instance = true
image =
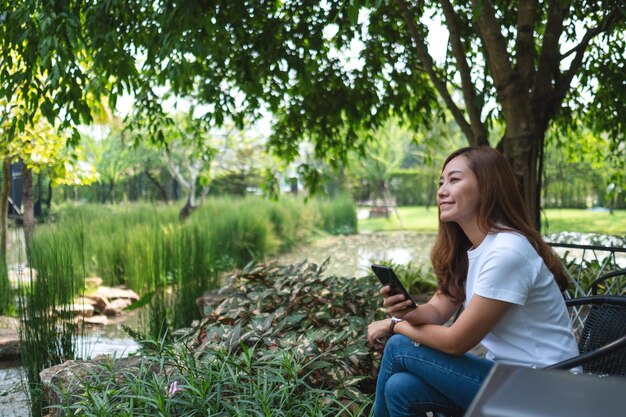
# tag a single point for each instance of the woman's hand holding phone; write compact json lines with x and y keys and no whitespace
{"x":397,"y":305}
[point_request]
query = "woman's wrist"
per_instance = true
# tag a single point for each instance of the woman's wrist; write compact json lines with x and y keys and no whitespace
{"x":392,"y":324}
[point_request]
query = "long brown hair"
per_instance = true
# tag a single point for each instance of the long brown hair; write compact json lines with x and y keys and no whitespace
{"x":501,"y":208}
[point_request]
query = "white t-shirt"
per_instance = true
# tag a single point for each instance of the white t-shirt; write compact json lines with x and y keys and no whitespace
{"x":536,"y":330}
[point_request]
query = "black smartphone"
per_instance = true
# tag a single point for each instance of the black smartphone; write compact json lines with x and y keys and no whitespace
{"x":387,"y":277}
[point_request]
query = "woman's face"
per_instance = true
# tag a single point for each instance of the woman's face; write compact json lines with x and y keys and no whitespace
{"x":458,"y":196}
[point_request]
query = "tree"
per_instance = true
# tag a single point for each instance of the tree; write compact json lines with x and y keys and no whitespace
{"x":524,"y":63}
{"x":381,"y":159}
{"x":195,"y":155}
{"x":41,"y":148}
{"x":188,"y":154}
{"x":114,"y":159}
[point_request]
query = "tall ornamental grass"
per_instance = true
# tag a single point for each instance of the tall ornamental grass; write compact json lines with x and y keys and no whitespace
{"x":169,"y":263}
{"x":230,"y":231}
{"x":48,"y":331}
{"x":337,"y":216}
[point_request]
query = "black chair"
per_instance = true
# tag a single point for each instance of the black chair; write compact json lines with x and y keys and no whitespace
{"x":602,"y":340}
{"x":602,"y":343}
{"x":612,"y":283}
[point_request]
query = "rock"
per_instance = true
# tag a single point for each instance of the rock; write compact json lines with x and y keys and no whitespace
{"x":115,"y":307}
{"x":70,"y":377}
{"x":85,"y":300}
{"x":100,"y":302}
{"x":85,"y":310}
{"x":112,"y":301}
{"x":9,"y":344}
{"x":93,"y":281}
{"x":9,"y":338}
{"x":113,"y":293}
{"x":99,"y":319}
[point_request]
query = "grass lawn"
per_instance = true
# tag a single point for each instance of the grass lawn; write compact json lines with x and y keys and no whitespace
{"x":553,"y":221}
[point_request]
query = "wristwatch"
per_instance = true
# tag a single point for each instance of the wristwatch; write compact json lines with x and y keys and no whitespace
{"x":392,"y":325}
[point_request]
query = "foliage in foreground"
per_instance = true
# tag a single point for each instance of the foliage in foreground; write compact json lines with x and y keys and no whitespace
{"x":216,"y":383}
{"x":280,"y":341}
{"x":297,"y":308}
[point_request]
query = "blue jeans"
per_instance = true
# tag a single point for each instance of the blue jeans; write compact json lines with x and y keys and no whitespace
{"x":415,"y":379}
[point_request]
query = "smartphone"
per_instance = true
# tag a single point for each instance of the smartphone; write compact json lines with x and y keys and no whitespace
{"x":387,"y":277}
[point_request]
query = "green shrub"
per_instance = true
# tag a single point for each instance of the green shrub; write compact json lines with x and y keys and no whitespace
{"x":418,"y":280}
{"x":337,"y":216}
{"x":279,"y":341}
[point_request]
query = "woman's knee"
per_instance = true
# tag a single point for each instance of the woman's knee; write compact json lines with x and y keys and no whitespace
{"x":407,"y":394}
{"x":396,"y":342}
{"x":400,"y":389}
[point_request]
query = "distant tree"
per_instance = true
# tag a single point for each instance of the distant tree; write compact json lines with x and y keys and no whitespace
{"x":580,"y":171}
{"x":115,"y":159}
{"x":381,"y":158}
{"x":41,"y":148}
{"x":188,"y":151}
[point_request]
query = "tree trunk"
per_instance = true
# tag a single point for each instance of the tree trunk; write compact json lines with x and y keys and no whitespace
{"x":520,"y":149}
{"x":186,"y":211}
{"x":157,"y":184}
{"x":38,"y":201}
{"x":6,"y":295}
{"x":4,"y":209}
{"x":49,"y":196}
{"x":28,"y":203}
{"x":112,"y":191}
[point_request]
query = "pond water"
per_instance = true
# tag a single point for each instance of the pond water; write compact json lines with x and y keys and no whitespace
{"x":352,"y":255}
{"x":107,"y":339}
{"x":97,"y":340}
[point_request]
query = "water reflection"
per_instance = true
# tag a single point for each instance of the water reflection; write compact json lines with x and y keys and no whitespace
{"x":353,"y":255}
{"x":110,"y":338}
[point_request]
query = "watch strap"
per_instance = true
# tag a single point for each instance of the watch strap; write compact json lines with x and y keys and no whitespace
{"x":392,"y":324}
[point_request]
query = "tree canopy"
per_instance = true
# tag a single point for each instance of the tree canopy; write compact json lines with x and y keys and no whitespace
{"x":327,"y":71}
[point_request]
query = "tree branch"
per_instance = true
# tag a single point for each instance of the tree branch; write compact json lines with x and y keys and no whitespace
{"x":525,"y":45}
{"x":469,"y":91}
{"x":563,"y":83}
{"x":548,"y":65}
{"x":157,"y":184}
{"x":175,"y":171}
{"x":498,"y":57}
{"x":429,"y":67}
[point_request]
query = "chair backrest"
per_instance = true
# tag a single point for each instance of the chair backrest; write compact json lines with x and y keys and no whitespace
{"x":605,"y":323}
{"x":613,"y":282}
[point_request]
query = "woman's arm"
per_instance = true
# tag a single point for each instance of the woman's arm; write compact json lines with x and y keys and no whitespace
{"x":480,"y":316}
{"x":438,"y":310}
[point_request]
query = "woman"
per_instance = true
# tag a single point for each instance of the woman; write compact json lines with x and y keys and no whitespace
{"x":490,"y":260}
